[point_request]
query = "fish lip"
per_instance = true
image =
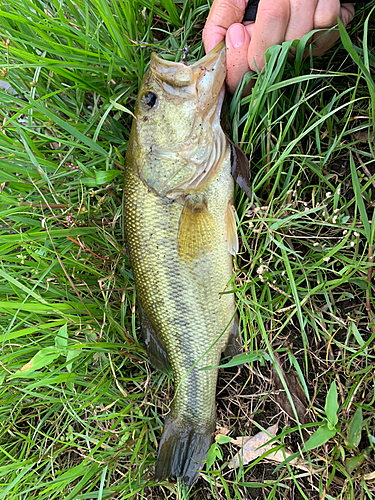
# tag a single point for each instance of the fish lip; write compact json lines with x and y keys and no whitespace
{"x":209,"y":71}
{"x":213,"y":58}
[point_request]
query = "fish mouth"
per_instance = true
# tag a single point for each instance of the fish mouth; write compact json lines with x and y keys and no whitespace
{"x":210,"y":71}
{"x":204,"y":78}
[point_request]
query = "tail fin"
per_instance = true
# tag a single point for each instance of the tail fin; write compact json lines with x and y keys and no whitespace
{"x":182,"y":449}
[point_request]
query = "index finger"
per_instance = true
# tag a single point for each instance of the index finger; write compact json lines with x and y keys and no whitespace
{"x":223,"y":14}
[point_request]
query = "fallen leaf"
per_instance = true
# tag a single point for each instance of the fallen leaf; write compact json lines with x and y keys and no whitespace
{"x":255,"y":447}
{"x":241,"y":440}
{"x":250,"y":453}
{"x":222,"y":430}
{"x":298,"y":396}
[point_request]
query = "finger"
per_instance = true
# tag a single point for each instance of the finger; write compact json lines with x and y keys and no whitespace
{"x":269,"y":29}
{"x":301,"y":19}
{"x":326,"y":16}
{"x":347,"y":13}
{"x":223,"y":14}
{"x":237,"y":42}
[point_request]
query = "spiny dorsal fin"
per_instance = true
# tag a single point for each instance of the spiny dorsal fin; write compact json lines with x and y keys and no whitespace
{"x":232,"y":238}
{"x":196,"y":231}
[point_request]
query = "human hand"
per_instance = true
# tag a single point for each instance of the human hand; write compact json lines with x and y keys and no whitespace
{"x":276,"y":22}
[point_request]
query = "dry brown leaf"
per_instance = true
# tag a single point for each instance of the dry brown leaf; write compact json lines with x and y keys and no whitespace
{"x":298,"y":396}
{"x":255,"y":447}
{"x":222,"y":430}
{"x":240,"y":441}
{"x":250,"y":451}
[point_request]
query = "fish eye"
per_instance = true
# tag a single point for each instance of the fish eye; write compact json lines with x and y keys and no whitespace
{"x":150,"y":99}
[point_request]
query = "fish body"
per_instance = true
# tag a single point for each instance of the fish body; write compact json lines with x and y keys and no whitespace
{"x":181,"y":234}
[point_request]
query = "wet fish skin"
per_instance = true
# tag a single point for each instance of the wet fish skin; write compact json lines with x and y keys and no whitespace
{"x":181,"y":235}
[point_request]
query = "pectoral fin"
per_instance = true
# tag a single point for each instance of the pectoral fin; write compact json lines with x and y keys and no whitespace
{"x":241,"y":169}
{"x":196,"y":231}
{"x":232,"y":238}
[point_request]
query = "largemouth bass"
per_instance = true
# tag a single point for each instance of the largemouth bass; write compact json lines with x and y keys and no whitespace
{"x":181,"y":235}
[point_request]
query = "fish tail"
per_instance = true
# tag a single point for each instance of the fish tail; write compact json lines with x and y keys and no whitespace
{"x":182,"y":449}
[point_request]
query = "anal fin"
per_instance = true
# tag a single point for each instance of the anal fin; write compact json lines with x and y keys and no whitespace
{"x":156,"y":350}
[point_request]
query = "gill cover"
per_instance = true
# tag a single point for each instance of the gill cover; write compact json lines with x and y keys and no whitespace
{"x":181,"y":135}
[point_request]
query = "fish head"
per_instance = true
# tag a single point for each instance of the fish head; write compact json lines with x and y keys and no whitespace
{"x":177,"y":113}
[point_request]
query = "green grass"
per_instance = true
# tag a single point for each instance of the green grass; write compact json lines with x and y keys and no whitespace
{"x":81,"y":410}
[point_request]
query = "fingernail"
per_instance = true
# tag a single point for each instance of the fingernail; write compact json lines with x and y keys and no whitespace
{"x":236,"y":35}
